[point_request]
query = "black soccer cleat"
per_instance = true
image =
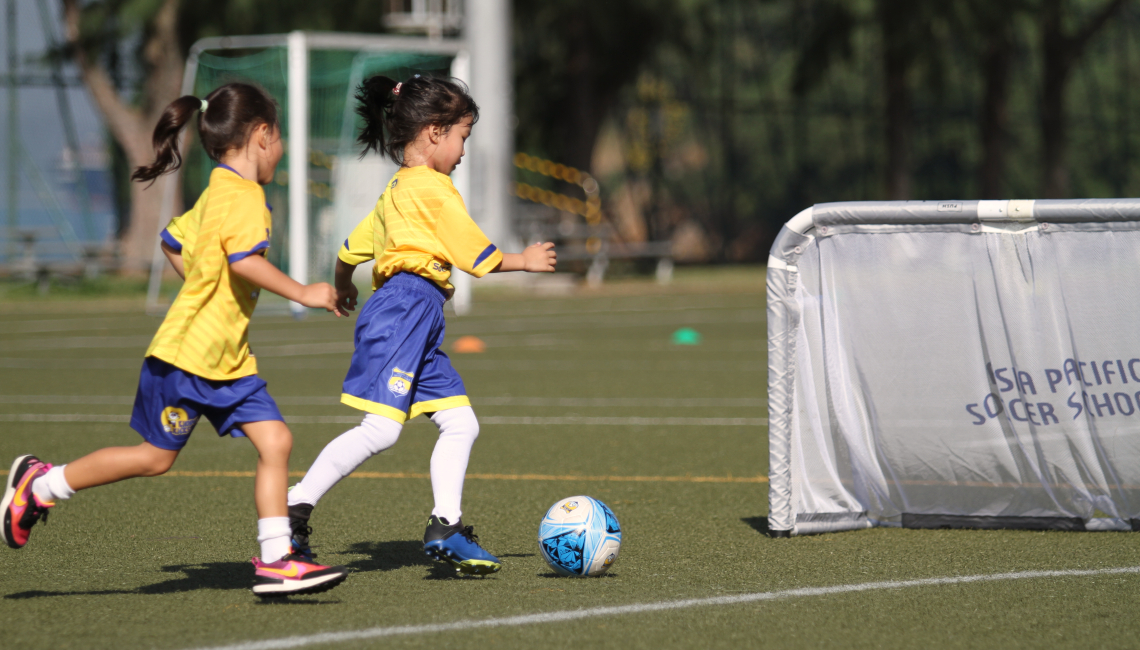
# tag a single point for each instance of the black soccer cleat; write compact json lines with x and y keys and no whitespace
{"x":301,"y":530}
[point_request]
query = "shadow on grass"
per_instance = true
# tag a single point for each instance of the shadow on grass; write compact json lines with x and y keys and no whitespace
{"x":605,"y":576}
{"x":759,"y":524}
{"x":209,"y":575}
{"x":388,"y":556}
{"x":392,"y":555}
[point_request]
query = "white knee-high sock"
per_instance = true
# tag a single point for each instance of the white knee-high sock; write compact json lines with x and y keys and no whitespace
{"x":343,"y":455}
{"x":458,"y":429}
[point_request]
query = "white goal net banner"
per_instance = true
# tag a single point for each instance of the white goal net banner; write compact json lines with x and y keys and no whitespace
{"x":972,"y":364}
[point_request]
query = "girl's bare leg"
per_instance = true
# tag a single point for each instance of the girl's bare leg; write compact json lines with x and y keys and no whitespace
{"x":274,"y":443}
{"x":112,"y":464}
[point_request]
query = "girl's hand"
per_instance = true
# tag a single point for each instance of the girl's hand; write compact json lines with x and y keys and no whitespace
{"x":320,"y":295}
{"x":346,"y":298}
{"x":539,"y":258}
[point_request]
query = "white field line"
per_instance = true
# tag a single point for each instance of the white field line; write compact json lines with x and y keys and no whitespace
{"x":645,"y":608}
{"x":463,"y":364}
{"x":502,"y":420}
{"x":496,"y":326}
{"x":14,"y":326}
{"x":662,"y":402}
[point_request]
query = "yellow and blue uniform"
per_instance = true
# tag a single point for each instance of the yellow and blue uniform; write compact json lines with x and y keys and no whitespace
{"x":199,"y":362}
{"x":418,"y":232}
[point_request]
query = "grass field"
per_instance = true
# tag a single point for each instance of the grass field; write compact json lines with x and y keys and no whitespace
{"x":579,"y":394}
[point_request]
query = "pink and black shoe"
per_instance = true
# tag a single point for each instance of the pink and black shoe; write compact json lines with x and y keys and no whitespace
{"x":294,"y":574}
{"x":22,"y":509}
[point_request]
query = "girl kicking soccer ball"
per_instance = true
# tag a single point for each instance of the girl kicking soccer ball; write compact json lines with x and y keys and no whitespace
{"x":417,"y":233}
{"x":199,"y":363}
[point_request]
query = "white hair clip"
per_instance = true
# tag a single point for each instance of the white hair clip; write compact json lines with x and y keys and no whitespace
{"x":205,"y":105}
{"x":396,"y":90}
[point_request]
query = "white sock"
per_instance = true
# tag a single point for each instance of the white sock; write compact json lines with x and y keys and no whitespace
{"x":458,"y":429}
{"x":343,"y":455}
{"x":52,"y":486}
{"x":273,"y":535}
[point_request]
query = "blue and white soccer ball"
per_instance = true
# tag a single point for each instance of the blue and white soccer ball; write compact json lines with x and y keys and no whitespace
{"x":579,"y":537}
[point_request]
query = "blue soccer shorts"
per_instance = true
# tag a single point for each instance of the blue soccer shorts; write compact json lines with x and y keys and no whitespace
{"x":170,"y":401}
{"x":398,"y":370}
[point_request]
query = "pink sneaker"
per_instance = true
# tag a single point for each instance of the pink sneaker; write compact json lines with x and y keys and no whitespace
{"x":22,"y":509}
{"x":293,"y":574}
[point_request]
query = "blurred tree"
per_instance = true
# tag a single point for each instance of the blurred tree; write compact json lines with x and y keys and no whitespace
{"x":910,"y":37}
{"x":161,"y":32}
{"x":1067,"y":26}
{"x":993,"y":24}
{"x":572,"y":58}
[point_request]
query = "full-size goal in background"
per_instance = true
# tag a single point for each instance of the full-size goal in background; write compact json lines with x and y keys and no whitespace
{"x":955,"y":364}
{"x":322,"y":188}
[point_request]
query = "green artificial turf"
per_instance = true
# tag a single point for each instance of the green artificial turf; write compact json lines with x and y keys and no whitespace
{"x":163,"y":562}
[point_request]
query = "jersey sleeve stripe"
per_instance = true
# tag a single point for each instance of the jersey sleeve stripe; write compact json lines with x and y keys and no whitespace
{"x":170,"y":240}
{"x":236,"y":257}
{"x":487,"y":252}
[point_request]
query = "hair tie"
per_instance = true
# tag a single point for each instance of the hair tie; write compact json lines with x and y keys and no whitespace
{"x":205,"y":105}
{"x":396,"y":90}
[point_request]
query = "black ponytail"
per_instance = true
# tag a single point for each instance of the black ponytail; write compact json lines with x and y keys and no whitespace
{"x":392,"y":122}
{"x":232,"y":112}
{"x":376,"y":100}
{"x":167,"y":156}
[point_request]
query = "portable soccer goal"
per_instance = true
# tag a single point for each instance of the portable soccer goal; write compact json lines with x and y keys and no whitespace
{"x":323,"y":188}
{"x":969,"y":364}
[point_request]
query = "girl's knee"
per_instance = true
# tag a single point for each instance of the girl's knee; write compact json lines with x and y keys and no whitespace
{"x":155,"y":461}
{"x":459,"y":421}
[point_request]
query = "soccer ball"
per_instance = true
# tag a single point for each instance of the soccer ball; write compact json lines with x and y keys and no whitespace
{"x":579,"y":537}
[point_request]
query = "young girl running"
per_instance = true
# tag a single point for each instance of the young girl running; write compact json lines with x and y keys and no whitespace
{"x":199,"y":363}
{"x":417,"y":233}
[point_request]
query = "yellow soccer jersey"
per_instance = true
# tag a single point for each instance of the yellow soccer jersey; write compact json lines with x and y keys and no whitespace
{"x":205,"y":331}
{"x":420,"y":225}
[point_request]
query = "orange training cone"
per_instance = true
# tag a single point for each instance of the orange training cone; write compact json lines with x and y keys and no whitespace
{"x":468,"y":345}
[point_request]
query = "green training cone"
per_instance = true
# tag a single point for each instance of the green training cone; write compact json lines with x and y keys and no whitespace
{"x":686,"y":336}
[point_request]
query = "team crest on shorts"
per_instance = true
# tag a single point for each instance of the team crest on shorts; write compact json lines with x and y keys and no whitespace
{"x":176,"y":421}
{"x":401,"y":382}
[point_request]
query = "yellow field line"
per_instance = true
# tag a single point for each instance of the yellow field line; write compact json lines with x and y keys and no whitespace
{"x":495,"y":477}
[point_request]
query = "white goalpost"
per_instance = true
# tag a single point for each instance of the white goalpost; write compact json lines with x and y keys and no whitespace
{"x":962,"y":364}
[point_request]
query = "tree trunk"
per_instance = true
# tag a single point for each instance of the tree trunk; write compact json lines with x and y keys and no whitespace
{"x":1054,"y":141}
{"x":898,"y":125}
{"x":586,"y":107}
{"x":1061,"y":52}
{"x":130,"y":126}
{"x":896,"y":20}
{"x":996,"y":62}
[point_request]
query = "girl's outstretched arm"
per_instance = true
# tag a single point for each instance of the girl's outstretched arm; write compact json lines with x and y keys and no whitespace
{"x":261,"y":272}
{"x":175,"y":258}
{"x":536,"y":258}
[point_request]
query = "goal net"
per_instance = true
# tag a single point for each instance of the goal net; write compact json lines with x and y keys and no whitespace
{"x":964,"y":364}
{"x":322,"y":187}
